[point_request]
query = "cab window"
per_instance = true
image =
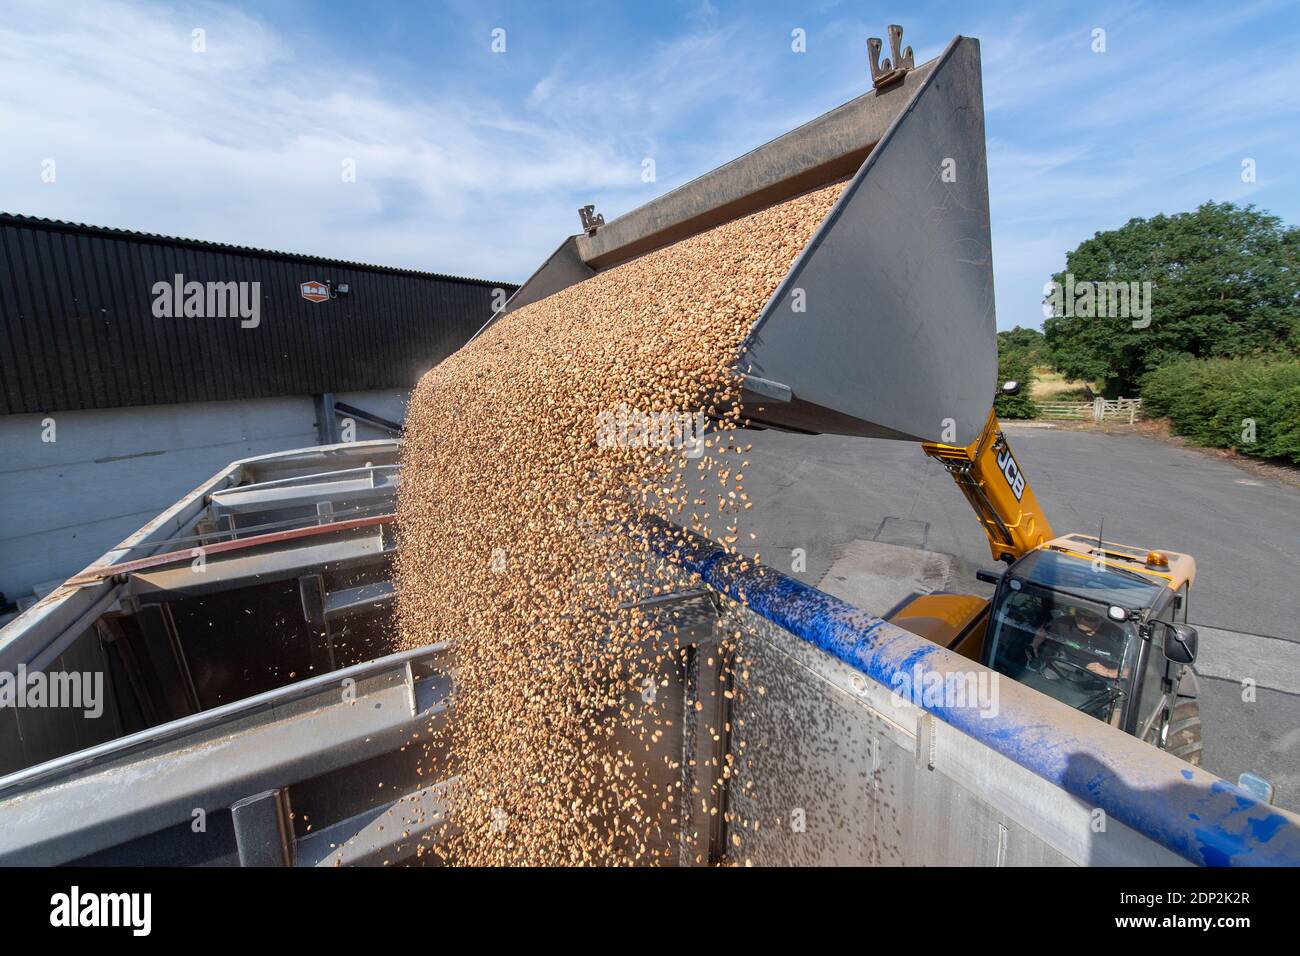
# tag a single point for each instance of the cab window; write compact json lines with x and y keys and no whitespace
{"x":1064,"y":647}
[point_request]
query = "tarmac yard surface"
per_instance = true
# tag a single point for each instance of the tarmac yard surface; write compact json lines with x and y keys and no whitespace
{"x":847,"y":513}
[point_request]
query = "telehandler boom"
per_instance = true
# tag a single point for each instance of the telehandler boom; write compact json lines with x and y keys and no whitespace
{"x":989,"y":476}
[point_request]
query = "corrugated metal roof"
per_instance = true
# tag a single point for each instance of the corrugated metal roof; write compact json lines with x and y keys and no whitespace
{"x":78,"y":329}
{"x":63,"y":225}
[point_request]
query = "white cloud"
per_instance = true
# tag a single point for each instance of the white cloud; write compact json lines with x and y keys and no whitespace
{"x":244,"y":143}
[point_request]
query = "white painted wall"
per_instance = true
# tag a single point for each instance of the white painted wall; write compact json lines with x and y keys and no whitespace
{"x":108,"y":471}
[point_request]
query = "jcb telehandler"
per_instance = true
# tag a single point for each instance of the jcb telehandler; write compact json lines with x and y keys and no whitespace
{"x":1098,"y":625}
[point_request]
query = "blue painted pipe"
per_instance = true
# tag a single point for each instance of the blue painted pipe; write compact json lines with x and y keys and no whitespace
{"x":1192,"y":812}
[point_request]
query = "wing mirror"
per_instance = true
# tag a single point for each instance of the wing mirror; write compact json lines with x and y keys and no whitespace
{"x":1180,"y":642}
{"x":1011,"y":388}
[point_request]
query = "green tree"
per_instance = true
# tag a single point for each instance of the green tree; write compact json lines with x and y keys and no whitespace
{"x":1028,"y":342}
{"x":1226,"y":283}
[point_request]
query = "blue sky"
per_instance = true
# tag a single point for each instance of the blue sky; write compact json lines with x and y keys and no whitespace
{"x":473,"y":162}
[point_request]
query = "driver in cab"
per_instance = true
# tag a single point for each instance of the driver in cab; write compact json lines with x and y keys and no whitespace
{"x":1081,"y":636}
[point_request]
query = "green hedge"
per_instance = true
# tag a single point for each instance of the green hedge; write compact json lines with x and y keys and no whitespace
{"x":1211,"y":400}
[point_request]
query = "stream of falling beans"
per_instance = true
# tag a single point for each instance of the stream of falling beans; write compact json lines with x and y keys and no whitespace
{"x":523,"y":520}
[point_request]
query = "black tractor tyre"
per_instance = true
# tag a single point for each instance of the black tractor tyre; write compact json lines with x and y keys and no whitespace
{"x":1183,"y":739}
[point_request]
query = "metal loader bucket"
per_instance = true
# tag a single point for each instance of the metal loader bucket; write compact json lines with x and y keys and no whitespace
{"x":884,"y":326}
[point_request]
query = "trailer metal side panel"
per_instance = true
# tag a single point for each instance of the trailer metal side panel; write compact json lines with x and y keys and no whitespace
{"x":1097,"y":776}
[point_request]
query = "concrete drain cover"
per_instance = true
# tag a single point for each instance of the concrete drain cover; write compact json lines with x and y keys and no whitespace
{"x":908,"y":532}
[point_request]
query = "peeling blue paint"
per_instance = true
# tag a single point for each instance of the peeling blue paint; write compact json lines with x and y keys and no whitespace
{"x":1266,"y":828}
